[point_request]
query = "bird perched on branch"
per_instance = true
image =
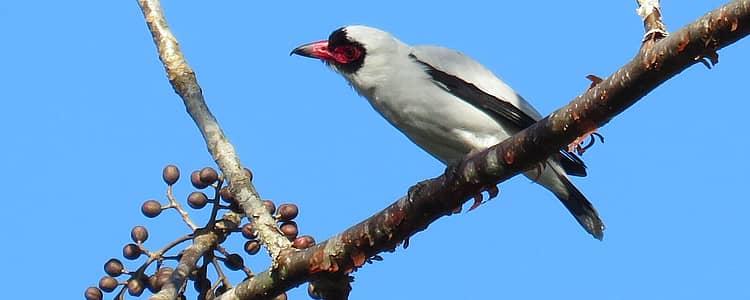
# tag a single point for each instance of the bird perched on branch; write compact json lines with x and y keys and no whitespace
{"x":445,"y":102}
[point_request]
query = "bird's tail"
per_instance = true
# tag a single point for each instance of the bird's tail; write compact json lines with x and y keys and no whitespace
{"x":580,"y":207}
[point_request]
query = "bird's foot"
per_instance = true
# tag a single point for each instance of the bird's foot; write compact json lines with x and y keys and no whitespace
{"x":451,"y":172}
{"x":578,"y":147}
{"x":491,"y":190}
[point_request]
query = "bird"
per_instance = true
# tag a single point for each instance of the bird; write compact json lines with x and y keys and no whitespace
{"x":446,"y":103}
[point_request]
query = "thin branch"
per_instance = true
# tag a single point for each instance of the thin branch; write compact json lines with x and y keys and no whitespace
{"x":176,"y":205}
{"x":185,"y":84}
{"x":191,"y":254}
{"x":650,"y":11}
{"x":432,"y":199}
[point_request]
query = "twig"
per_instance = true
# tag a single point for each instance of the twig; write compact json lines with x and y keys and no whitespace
{"x":650,"y":11}
{"x":176,"y":205}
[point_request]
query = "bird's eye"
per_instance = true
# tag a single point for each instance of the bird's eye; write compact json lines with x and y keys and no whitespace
{"x":349,"y":52}
{"x":346,"y":54}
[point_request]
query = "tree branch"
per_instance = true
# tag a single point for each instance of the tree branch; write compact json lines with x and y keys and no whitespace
{"x":432,"y":199}
{"x":191,"y":254}
{"x":185,"y":84}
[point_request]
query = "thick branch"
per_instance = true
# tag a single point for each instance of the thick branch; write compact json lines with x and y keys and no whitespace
{"x":184,"y":82}
{"x":432,"y":199}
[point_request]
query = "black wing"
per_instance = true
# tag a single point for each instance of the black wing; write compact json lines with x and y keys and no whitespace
{"x":499,"y":109}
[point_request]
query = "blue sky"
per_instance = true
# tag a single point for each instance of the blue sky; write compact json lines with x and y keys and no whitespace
{"x":90,"y":120}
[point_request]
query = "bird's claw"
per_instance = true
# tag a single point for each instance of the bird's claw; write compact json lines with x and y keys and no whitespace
{"x":577,"y":145}
{"x":477,"y":201}
{"x":491,"y":190}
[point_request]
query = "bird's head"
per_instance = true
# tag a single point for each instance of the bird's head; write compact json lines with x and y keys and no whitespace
{"x":350,"y":49}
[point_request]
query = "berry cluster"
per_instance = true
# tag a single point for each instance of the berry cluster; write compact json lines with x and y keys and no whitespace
{"x":135,"y":282}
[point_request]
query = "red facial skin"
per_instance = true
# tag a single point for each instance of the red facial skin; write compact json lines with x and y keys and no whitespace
{"x":319,"y":50}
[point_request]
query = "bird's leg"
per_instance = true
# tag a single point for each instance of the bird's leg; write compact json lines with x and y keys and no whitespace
{"x":539,"y":168}
{"x":491,"y":189}
{"x":577,"y":145}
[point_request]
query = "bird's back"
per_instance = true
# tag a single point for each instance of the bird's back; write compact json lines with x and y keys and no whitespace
{"x":456,"y":63}
{"x":401,"y":89}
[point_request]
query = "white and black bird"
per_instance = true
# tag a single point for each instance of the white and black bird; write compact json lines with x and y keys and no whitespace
{"x":445,"y":102}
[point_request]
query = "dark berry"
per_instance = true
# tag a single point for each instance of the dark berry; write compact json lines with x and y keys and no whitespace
{"x":248,"y":231}
{"x":93,"y":293}
{"x":151,"y":208}
{"x":288,"y":212}
{"x":270,"y":206}
{"x":234,"y":262}
{"x":235,"y":207}
{"x":195,"y":179}
{"x":252,"y":247}
{"x":170,"y":174}
{"x":139,"y":234}
{"x":197,"y":200}
{"x":226,"y":195}
{"x":113,"y":267}
{"x":208,"y":175}
{"x":131,"y":251}
{"x":289,"y":229}
{"x":248,"y":173}
{"x":108,"y":284}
